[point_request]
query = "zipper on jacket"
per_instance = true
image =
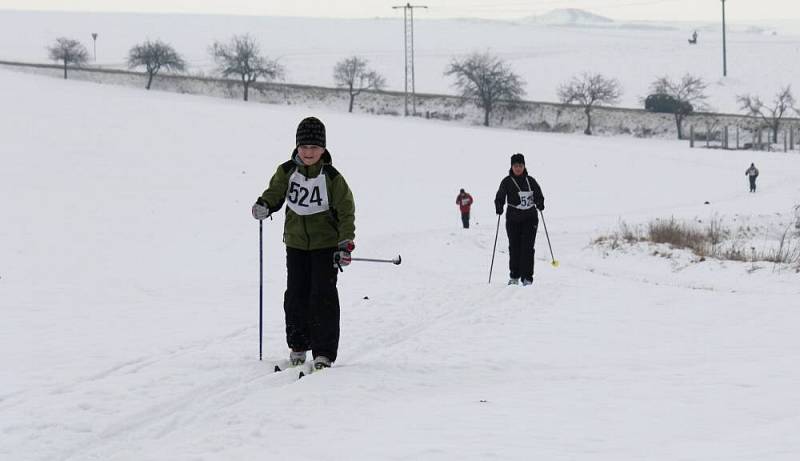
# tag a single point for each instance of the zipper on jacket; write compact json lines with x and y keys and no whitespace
{"x":305,"y":228}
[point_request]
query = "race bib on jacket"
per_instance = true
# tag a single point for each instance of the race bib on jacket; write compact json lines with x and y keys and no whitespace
{"x":465,"y":201}
{"x":307,"y":196}
{"x":525,"y":200}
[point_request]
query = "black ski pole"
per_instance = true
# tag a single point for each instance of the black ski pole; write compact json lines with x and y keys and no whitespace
{"x":260,"y":286}
{"x":553,"y":262}
{"x":495,"y":248}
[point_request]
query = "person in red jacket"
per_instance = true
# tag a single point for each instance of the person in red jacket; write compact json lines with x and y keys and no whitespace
{"x":464,"y":201}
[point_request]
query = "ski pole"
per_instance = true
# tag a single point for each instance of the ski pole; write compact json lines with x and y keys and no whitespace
{"x":260,"y":285}
{"x":494,"y":249}
{"x":396,"y":261}
{"x":554,"y":262}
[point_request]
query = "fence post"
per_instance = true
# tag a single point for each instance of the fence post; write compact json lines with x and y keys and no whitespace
{"x":737,"y":137}
{"x":785,"y":143}
{"x":791,"y":137}
{"x":725,"y":138}
{"x":708,"y":136}
{"x":691,"y":136}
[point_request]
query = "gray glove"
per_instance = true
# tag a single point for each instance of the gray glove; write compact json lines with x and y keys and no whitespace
{"x":260,"y":210}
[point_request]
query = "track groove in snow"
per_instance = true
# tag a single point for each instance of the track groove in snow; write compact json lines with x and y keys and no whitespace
{"x":134,"y":305}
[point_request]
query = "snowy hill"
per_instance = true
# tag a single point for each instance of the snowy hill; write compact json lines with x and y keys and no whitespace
{"x":544,"y":56}
{"x":569,"y":17}
{"x":129,"y":291}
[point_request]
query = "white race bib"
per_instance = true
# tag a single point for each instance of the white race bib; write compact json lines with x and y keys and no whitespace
{"x":307,"y":196}
{"x":525,"y":200}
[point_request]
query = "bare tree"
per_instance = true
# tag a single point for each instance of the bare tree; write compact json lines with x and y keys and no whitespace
{"x":688,"y":94}
{"x":772,"y":115}
{"x":68,"y":51}
{"x":487,"y":80}
{"x":589,"y":90}
{"x":242,"y":57}
{"x":352,"y":73}
{"x":155,"y":56}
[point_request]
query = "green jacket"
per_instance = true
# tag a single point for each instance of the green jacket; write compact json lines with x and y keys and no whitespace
{"x":320,"y":227}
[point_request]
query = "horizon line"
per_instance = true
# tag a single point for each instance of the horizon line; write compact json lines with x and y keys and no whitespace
{"x":482,"y":18}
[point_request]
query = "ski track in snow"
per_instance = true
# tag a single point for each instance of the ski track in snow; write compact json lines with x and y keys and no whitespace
{"x":139,"y":339}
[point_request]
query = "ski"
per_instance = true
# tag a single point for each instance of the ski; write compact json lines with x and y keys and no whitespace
{"x":302,"y":370}
{"x":281,"y":365}
{"x":305,"y":370}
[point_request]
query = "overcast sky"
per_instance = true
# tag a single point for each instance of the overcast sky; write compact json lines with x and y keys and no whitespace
{"x":684,"y":10}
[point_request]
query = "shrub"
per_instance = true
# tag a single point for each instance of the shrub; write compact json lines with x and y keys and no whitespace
{"x":713,"y":240}
{"x":667,"y":104}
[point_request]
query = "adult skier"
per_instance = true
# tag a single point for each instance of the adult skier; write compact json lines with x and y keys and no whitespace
{"x":752,"y":174}
{"x":464,"y":202}
{"x":524,"y":198}
{"x":318,"y":232}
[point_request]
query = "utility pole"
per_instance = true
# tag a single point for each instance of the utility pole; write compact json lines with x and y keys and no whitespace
{"x":94,"y":39}
{"x":408,"y":28}
{"x":724,"y":44}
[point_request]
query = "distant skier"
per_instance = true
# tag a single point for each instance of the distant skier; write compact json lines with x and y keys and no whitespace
{"x":318,"y":232}
{"x":752,"y":174}
{"x":693,"y":40}
{"x":524,"y":197}
{"x":464,"y":202}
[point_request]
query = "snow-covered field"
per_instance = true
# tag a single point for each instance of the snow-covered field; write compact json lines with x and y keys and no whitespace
{"x":545,"y":56}
{"x":129,"y":293}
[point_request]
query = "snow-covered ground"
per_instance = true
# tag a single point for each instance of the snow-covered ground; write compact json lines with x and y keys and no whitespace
{"x":544,"y":56}
{"x":129,"y":293}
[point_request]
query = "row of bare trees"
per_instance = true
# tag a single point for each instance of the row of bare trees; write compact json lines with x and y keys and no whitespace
{"x":488,"y":81}
{"x":688,"y":95}
{"x":770,"y":115}
{"x":240,"y":57}
{"x":483,"y":78}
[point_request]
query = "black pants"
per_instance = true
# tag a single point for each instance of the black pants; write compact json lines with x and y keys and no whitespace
{"x":521,"y":239}
{"x":465,"y":219}
{"x":311,"y":302}
{"x":752,"y":183}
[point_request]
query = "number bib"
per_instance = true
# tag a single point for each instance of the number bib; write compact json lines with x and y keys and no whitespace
{"x":307,"y":196}
{"x":525,"y":200}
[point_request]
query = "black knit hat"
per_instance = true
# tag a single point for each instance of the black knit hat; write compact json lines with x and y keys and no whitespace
{"x":517,"y":158}
{"x":310,"y":132}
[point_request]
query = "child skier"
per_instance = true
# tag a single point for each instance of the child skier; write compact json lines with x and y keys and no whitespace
{"x":464,"y":202}
{"x":318,"y":232}
{"x":524,"y":197}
